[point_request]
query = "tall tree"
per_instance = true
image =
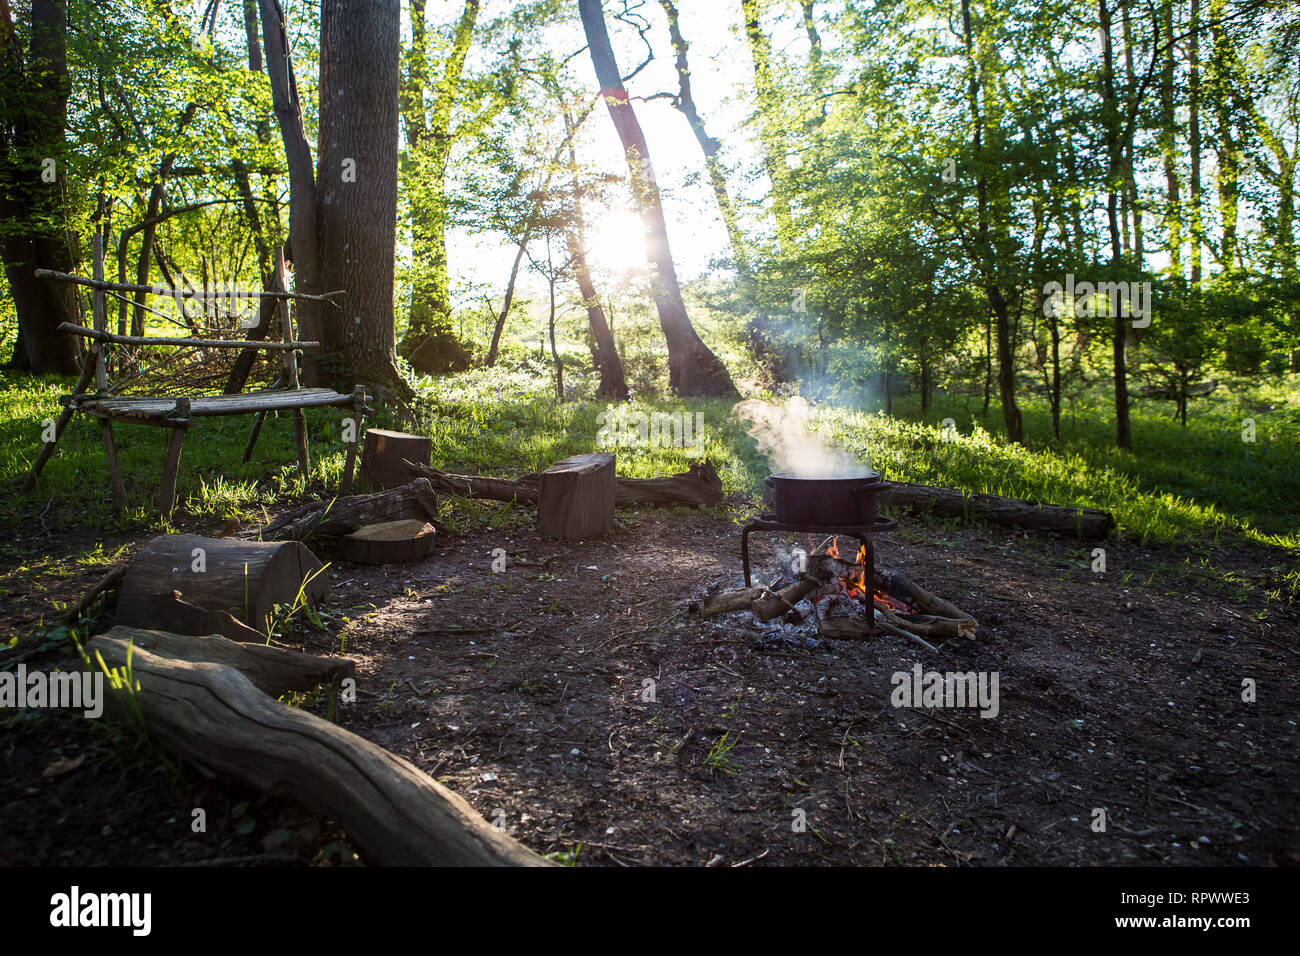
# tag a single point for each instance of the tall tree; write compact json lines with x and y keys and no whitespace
{"x":356,"y":180}
{"x":771,"y":129}
{"x":692,"y":368}
{"x":429,"y":344}
{"x":34,"y":228}
{"x":613,"y":384}
{"x":343,"y":214}
{"x":1111,"y":121}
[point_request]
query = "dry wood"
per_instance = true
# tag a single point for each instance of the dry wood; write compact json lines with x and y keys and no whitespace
{"x":247,"y":578}
{"x":183,"y":292}
{"x":898,"y":583}
{"x":145,"y":410}
{"x":214,"y":716}
{"x":698,"y":485}
{"x":854,"y":628}
{"x":769,"y":607}
{"x":342,"y":516}
{"x":108,"y":582}
{"x":175,"y":613}
{"x":928,"y":625}
{"x":189,"y":342}
{"x":384,"y":453}
{"x":738,"y":600}
{"x":273,"y":670}
{"x":575,"y":499}
{"x":389,"y":542}
{"x":1085,"y":522}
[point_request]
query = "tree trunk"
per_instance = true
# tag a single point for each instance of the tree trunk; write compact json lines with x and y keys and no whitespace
{"x":509,"y":298}
{"x":1168,"y":144}
{"x":1194,"y":140}
{"x":613,"y":384}
{"x":759,"y":336}
{"x":1120,"y":324}
{"x":356,"y":183}
{"x":692,"y":368}
{"x":32,"y":210}
{"x":429,"y":343}
{"x":302,"y":246}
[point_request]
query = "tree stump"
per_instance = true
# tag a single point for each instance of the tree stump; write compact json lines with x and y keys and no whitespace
{"x":381,"y":460}
{"x":390,"y":542}
{"x":576,"y":497}
{"x":245,"y":578}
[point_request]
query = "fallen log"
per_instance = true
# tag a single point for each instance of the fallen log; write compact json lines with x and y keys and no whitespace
{"x":273,"y":670}
{"x":247,"y":578}
{"x":216,"y":718}
{"x":109,"y":582}
{"x":175,"y":613}
{"x":1085,"y":522}
{"x":340,"y":516}
{"x":698,"y":485}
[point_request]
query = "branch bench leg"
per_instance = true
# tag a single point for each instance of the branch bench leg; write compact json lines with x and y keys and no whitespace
{"x":167,"y":494}
{"x":358,"y":412}
{"x":252,"y":437}
{"x":114,"y":466}
{"x":87,"y":371}
{"x":300,"y":435}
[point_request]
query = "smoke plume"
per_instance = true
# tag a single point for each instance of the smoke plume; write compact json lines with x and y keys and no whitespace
{"x":791,"y":447}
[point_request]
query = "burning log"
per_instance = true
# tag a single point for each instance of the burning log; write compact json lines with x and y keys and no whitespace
{"x":730,"y":601}
{"x":933,"y":608}
{"x":1085,"y":522}
{"x":697,"y":486}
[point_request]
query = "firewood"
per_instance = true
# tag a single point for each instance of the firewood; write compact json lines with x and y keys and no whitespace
{"x":896,"y":582}
{"x":247,"y":578}
{"x":698,"y":485}
{"x":216,"y":718}
{"x":575,"y":499}
{"x":382,"y":458}
{"x":390,"y":542}
{"x":928,"y":625}
{"x":738,"y":600}
{"x":340,"y":516}
{"x":781,"y":601}
{"x":846,"y":628}
{"x":273,"y":670}
{"x":1085,"y":522}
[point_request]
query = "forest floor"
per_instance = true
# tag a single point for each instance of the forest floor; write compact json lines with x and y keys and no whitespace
{"x":525,"y":692}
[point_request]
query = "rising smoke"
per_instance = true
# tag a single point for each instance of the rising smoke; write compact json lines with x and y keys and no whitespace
{"x":791,"y":447}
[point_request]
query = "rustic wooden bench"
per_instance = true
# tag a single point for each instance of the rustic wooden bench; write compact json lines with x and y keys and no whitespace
{"x":177,"y":412}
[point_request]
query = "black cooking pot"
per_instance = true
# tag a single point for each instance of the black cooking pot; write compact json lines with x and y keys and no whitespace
{"x":826,"y":502}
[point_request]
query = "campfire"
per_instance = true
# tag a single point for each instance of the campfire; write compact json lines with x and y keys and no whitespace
{"x":845,"y":599}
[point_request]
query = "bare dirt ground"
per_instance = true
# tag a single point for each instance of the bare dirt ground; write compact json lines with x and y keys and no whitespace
{"x":526,"y":692}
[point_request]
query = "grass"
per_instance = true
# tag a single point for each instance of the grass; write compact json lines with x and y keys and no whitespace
{"x":1179,"y":484}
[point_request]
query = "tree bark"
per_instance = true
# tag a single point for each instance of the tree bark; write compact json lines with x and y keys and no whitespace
{"x":613,"y":383}
{"x":302,"y":246}
{"x":692,"y":368}
{"x":356,"y":182}
{"x":1119,"y":323}
{"x":32,"y":210}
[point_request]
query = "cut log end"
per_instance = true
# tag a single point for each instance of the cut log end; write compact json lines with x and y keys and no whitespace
{"x":389,"y":542}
